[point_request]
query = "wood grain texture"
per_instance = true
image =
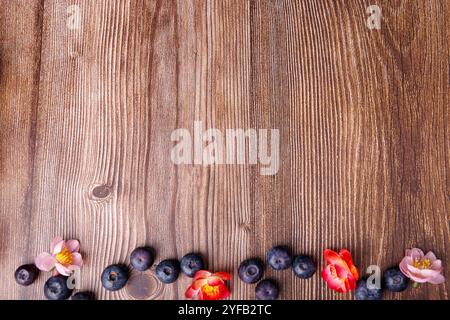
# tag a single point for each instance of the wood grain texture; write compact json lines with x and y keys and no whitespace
{"x":86,"y":117}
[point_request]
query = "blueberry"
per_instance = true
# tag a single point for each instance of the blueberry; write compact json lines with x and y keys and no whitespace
{"x":303,"y":267}
{"x":279,"y":258}
{"x":142,"y":258}
{"x":266,"y":290}
{"x":115,"y":277}
{"x":364,"y":293}
{"x":394,"y":280}
{"x":26,"y":274}
{"x":83,"y":296}
{"x":168,"y":270}
{"x":191,"y":263}
{"x":56,"y":288}
{"x":251,"y":270}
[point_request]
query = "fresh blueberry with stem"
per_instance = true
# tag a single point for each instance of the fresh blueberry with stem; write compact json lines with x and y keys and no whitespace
{"x":251,"y":270}
{"x":191,"y":263}
{"x":56,"y":288}
{"x":303,"y":267}
{"x":168,"y":270}
{"x":142,"y":258}
{"x":279,"y":258}
{"x":115,"y":277}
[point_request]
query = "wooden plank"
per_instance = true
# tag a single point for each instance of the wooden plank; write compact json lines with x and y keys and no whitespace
{"x":20,"y":49}
{"x":87,"y":115}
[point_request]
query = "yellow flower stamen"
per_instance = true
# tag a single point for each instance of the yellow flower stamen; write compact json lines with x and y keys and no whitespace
{"x":422,"y":263}
{"x":210,"y":290}
{"x":64,"y":257}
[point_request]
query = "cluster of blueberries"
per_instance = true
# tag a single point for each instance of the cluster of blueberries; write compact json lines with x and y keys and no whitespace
{"x":55,"y":288}
{"x":393,"y":280}
{"x":250,"y":271}
{"x":115,"y":276}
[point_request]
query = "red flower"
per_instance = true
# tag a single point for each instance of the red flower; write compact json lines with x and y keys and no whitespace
{"x":340,"y":273}
{"x":209,"y":286}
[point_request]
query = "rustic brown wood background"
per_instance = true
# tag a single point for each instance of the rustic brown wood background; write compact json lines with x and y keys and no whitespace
{"x":86,"y":117}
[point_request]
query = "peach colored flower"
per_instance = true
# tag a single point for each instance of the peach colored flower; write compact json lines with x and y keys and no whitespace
{"x":209,"y":286}
{"x":63,"y":256}
{"x":340,"y":273}
{"x":421,"y":267}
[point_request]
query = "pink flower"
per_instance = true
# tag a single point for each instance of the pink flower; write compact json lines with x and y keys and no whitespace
{"x":63,"y":256}
{"x":422,"y":268}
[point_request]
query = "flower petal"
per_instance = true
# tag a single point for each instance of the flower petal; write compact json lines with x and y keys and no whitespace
{"x":225,"y":276}
{"x":335,"y":259}
{"x":73,"y":245}
{"x":54,"y":242}
{"x":428,"y":273}
{"x":332,"y":257}
{"x":202,"y":274}
{"x":45,"y":261}
{"x":416,"y":253}
{"x":347,"y":256}
{"x":197,"y":284}
{"x":329,"y":274}
{"x":65,"y":271}
{"x":422,"y":275}
{"x":417,"y":278}
{"x":350,"y":284}
{"x":414,"y":270}
{"x":58,"y":247}
{"x":215,"y":281}
{"x":341,"y":271}
{"x":77,"y":260}
{"x":404,"y":265}
{"x":430,"y":256}
{"x":438,"y":279}
{"x":224,"y":293}
{"x":436,"y":265}
{"x":191,"y":293}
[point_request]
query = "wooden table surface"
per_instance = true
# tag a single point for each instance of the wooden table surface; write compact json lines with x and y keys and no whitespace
{"x":86,"y":116}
